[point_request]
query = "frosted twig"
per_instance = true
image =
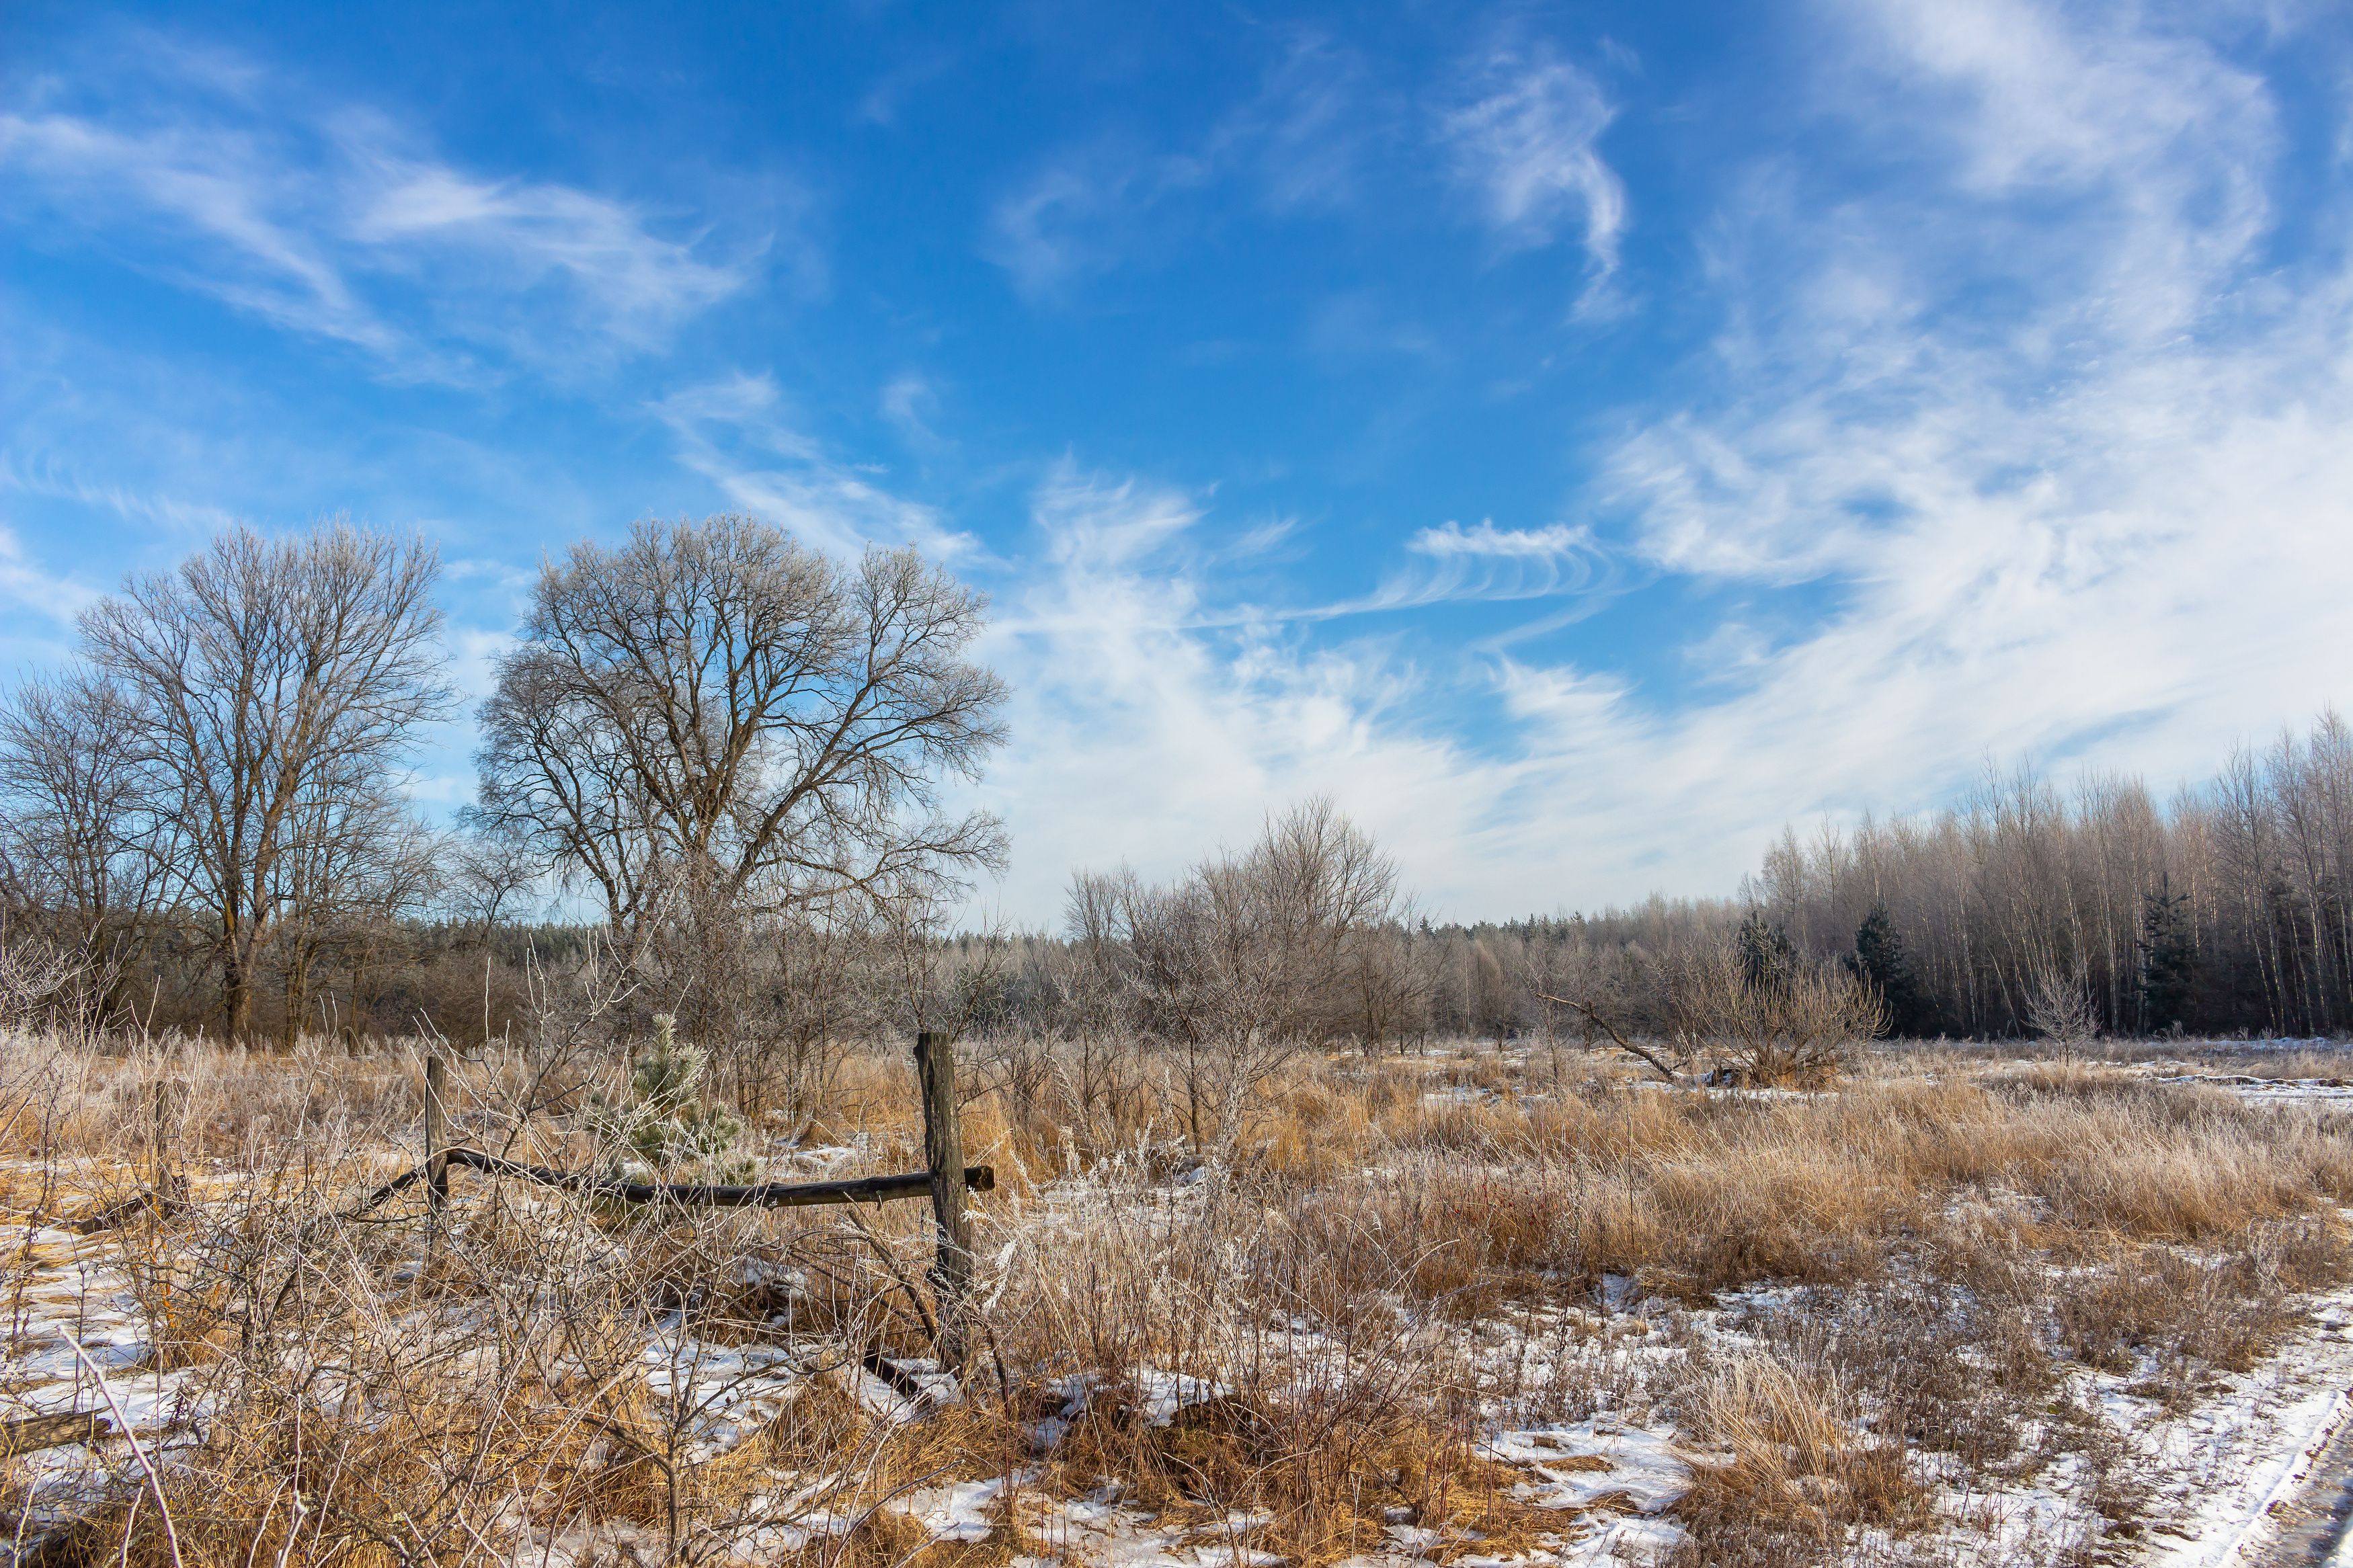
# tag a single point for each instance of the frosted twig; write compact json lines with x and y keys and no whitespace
{"x":138,"y":1449}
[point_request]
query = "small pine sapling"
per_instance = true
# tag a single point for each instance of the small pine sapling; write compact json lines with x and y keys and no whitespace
{"x":662,"y":1124}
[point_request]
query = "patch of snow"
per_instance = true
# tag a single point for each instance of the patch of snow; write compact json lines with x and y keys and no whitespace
{"x":1595,"y":1458}
{"x":2245,"y":1452}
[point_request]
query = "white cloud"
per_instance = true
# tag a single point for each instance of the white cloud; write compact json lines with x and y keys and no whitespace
{"x":1143,"y":737}
{"x":2043,"y":451}
{"x":1450,"y":541}
{"x":1082,"y":214}
{"x":1307,"y":132}
{"x":736,"y":432}
{"x":908,"y":400}
{"x":338,"y":224}
{"x":37,"y":607}
{"x":35,"y":590}
{"x":634,"y":282}
{"x":2096,"y":511}
{"x":1484,"y":564}
{"x":2154,"y":146}
{"x":1521,"y":139}
{"x":53,"y":481}
{"x":1298,"y":142}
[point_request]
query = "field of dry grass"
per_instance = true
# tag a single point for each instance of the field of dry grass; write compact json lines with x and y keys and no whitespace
{"x":1466,"y":1305}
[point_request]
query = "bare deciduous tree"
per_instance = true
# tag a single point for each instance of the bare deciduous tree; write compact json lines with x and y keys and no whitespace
{"x":357,"y":865}
{"x":714,"y":708}
{"x":81,"y":847}
{"x":274,"y":687}
{"x":490,"y":879}
{"x":1236,"y":967}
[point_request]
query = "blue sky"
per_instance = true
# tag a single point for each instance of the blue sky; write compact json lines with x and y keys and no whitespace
{"x":1582,"y":439}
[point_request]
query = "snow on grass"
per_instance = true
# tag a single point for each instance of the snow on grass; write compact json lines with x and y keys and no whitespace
{"x":1599,"y":1458}
{"x":2230,"y":1461}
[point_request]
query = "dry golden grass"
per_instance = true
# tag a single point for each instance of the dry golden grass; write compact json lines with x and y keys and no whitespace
{"x":1958,"y":1230}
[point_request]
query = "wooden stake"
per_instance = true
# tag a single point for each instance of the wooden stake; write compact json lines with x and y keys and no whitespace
{"x":952,"y":1233}
{"x":159,"y":1111}
{"x":169,"y":1186}
{"x":437,"y":1131}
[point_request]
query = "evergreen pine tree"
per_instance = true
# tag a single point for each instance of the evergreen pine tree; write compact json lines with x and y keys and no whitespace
{"x":2168,"y":958}
{"x":1768,"y":957}
{"x":1882,"y":958}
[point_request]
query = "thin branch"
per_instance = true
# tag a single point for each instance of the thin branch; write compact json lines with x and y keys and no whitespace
{"x":138,"y":1449}
{"x":1621,"y":1041}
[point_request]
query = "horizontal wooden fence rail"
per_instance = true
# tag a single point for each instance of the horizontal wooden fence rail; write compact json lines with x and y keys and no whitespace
{"x":766,"y":1194}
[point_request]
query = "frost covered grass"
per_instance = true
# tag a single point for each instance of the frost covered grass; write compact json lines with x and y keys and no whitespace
{"x":1465,"y":1306}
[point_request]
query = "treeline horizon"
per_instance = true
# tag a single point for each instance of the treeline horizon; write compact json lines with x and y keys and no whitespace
{"x":735,"y":746}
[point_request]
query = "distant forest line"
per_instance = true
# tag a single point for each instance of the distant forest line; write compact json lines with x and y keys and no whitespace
{"x":733,"y":747}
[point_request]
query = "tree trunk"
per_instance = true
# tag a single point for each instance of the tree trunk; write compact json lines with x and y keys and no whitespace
{"x":237,"y":996}
{"x":298,"y":996}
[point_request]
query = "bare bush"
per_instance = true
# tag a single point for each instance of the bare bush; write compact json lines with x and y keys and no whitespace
{"x":1233,"y":968}
{"x":1791,"y":1025}
{"x":2060,"y":1009}
{"x":46,"y":987}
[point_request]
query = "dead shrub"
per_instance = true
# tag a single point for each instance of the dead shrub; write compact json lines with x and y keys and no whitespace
{"x":1774,"y":1021}
{"x":1782,"y":1464}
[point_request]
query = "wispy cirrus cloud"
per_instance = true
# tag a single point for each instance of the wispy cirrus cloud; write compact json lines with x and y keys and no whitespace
{"x":1451,"y":564}
{"x":38,"y":606}
{"x":1083,"y":214}
{"x":1520,"y":138}
{"x":2049,"y":442}
{"x":737,"y":431}
{"x":52,"y":481}
{"x":1513,"y":125}
{"x":2036,"y":415}
{"x":1298,"y":143}
{"x":35,"y":590}
{"x":222,"y":177}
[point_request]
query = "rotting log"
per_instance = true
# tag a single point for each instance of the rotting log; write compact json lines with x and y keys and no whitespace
{"x":24,"y":1434}
{"x":146,"y":1200}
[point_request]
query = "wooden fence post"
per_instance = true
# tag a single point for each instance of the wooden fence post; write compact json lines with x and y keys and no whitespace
{"x":952,"y":1233}
{"x":169,"y":1185}
{"x":437,"y":1134}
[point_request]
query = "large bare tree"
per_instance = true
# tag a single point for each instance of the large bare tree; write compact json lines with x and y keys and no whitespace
{"x":276,"y":686}
{"x":77,"y":838}
{"x":82,"y":854}
{"x":714,"y":712}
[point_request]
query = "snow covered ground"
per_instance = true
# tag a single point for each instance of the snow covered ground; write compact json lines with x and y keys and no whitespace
{"x":2218,"y":1476}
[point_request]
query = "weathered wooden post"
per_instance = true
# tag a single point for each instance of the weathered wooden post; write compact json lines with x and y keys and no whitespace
{"x":169,"y":1186}
{"x":437,"y":1138}
{"x":952,"y":1232}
